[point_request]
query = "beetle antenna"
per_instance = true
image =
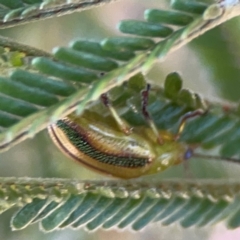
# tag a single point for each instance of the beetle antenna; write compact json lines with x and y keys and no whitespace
{"x":211,"y":157}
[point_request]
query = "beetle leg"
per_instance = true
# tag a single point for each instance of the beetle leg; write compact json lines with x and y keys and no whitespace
{"x":120,"y":122}
{"x":145,"y":96}
{"x":188,"y":115}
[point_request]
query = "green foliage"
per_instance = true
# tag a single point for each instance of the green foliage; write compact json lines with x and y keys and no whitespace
{"x":14,"y":12}
{"x":38,"y":88}
{"x":77,"y":65}
{"x":59,"y":204}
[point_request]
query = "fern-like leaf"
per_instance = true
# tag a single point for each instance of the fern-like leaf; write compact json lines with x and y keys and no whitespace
{"x":59,"y":204}
{"x":42,"y":90}
{"x":17,"y":12}
{"x":75,"y":64}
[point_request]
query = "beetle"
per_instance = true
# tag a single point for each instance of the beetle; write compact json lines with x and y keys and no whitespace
{"x":108,"y":145}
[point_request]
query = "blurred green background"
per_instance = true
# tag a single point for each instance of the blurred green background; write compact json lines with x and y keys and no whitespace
{"x":209,"y":65}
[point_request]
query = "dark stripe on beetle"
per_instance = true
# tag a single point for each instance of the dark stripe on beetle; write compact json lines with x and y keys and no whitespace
{"x":59,"y":142}
{"x":80,"y":141}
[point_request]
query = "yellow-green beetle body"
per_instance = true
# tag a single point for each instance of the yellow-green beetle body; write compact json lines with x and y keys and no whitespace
{"x":99,"y":144}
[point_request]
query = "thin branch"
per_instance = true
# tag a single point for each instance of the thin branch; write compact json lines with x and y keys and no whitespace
{"x":33,"y":187}
{"x":46,"y":10}
{"x":27,"y":50}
